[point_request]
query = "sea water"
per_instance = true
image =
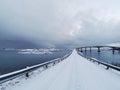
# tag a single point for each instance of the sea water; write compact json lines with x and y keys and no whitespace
{"x":11,"y":60}
{"x":105,"y":55}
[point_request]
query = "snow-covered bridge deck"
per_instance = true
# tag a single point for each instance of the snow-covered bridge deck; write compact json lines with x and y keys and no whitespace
{"x":74,"y":73}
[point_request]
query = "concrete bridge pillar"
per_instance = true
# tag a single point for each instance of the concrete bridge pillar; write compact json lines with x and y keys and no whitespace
{"x":119,"y":51}
{"x":81,"y":50}
{"x":113,"y":50}
{"x":85,"y":50}
{"x":90,"y":49}
{"x":98,"y":49}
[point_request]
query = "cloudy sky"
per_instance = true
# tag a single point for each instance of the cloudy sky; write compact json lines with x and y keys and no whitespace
{"x":59,"y":22}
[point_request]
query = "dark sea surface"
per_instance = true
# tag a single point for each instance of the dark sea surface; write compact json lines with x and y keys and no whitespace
{"x":11,"y":60}
{"x":105,"y":55}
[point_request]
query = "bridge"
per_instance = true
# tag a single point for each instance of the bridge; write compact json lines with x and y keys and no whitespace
{"x":113,"y":48}
{"x":73,"y":72}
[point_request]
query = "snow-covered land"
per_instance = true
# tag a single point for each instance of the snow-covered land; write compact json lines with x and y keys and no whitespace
{"x":74,"y":73}
{"x":37,"y":51}
{"x":34,"y":51}
{"x":114,"y":44}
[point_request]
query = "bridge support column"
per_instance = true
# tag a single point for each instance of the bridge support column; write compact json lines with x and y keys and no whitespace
{"x":90,"y":49}
{"x":119,"y":51}
{"x":81,"y":50}
{"x":113,"y":51}
{"x":98,"y":49}
{"x":85,"y":50}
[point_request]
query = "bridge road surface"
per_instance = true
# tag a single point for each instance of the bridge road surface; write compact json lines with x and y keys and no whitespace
{"x":74,"y":73}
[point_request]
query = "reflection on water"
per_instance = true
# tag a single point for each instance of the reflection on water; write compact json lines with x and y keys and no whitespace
{"x":105,"y":55}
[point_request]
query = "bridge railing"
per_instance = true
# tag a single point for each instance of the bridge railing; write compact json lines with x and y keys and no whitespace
{"x":100,"y":62}
{"x":27,"y":70}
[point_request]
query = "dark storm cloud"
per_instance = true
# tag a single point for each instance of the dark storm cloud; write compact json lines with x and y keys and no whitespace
{"x":61,"y":22}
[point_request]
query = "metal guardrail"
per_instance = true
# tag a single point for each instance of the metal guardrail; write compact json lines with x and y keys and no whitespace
{"x":26,"y":71}
{"x":100,"y":62}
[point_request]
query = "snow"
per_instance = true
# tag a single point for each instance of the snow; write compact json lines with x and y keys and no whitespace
{"x":34,"y":51}
{"x":114,"y":44}
{"x":37,"y":51}
{"x":74,"y":73}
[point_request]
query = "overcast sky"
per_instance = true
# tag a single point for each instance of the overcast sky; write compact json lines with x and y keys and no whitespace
{"x":61,"y":22}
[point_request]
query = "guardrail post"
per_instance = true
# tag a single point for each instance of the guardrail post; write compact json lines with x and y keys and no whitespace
{"x":98,"y":63}
{"x":53,"y":63}
{"x":107,"y":68}
{"x":46,"y":66}
{"x":27,"y":74}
